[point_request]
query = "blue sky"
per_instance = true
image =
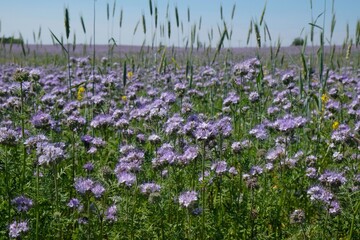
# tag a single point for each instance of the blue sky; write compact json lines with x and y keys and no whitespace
{"x":286,"y":19}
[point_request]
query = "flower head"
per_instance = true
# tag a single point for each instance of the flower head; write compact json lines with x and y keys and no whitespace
{"x":188,"y":198}
{"x":16,"y":228}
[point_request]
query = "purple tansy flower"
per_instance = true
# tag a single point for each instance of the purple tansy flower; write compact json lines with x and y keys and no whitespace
{"x":342,"y":133}
{"x":122,"y":123}
{"x":98,"y":190}
{"x":334,"y":208}
{"x":320,"y":194}
{"x":165,"y":155}
{"x":289,"y":123}
{"x":147,"y":188}
{"x":224,"y":126}
{"x":173,"y":124}
{"x":83,"y":185}
{"x":231,"y":99}
{"x":256,"y":171}
{"x":22,"y":203}
{"x":50,"y":152}
{"x":98,"y":142}
{"x":205,"y":131}
{"x":73,"y":203}
{"x":180,"y":88}
{"x":247,"y":68}
{"x":8,"y":136}
{"x":102,"y":120}
{"x":311,"y":172}
{"x":126,"y":178}
{"x":41,"y":120}
{"x":272,"y":110}
{"x":275,"y":153}
{"x":88,"y":166}
{"x":219,"y":167}
{"x":187,"y":199}
{"x":333,"y":179}
{"x":288,"y":77}
{"x":236,"y":147}
{"x":86,"y":139}
{"x":254,"y":97}
{"x":32,"y":141}
{"x":75,"y":122}
{"x":168,"y":97}
{"x":259,"y":131}
{"x":154,"y":139}
{"x":233,"y":171}
{"x":208,"y":72}
{"x":17,"y":228}
{"x":110,"y":214}
{"x":189,"y":155}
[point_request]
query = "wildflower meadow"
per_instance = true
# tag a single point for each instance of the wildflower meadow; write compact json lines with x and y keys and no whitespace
{"x":190,"y":142}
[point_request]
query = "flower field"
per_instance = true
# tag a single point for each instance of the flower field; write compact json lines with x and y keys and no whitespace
{"x":185,"y":144}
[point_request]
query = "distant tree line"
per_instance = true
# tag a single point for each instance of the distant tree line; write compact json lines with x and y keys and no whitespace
{"x":11,"y":40}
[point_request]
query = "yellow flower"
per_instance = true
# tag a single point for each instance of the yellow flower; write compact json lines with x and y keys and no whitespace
{"x":335,"y":125}
{"x":325,"y":98}
{"x":80,"y":93}
{"x":124,"y":98}
{"x":130,"y":75}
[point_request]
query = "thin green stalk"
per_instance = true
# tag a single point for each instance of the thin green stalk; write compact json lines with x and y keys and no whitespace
{"x":37,"y":202}
{"x":23,"y":137}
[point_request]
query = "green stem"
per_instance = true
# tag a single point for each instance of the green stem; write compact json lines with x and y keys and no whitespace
{"x":37,"y":202}
{"x":23,"y":138}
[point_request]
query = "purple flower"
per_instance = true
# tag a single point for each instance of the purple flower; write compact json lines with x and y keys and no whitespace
{"x":205,"y":131}
{"x":317,"y":193}
{"x":83,"y":185}
{"x":98,"y":190}
{"x":88,"y":166}
{"x":289,"y":123}
{"x":8,"y":136}
{"x":126,"y":178}
{"x":86,"y":139}
{"x":102,"y":120}
{"x":224,"y":126}
{"x":342,"y":133}
{"x":259,"y":131}
{"x":148,"y":188}
{"x":333,"y":179}
{"x":173,"y":124}
{"x":187,"y":199}
{"x":248,"y":68}
{"x":311,"y":172}
{"x":236,"y":147}
{"x":231,"y":99}
{"x":50,"y":152}
{"x":17,"y":228}
{"x":154,"y":139}
{"x":288,"y":77}
{"x":233,"y":171}
{"x":219,"y":167}
{"x":165,"y":155}
{"x":41,"y":120}
{"x":254,"y":97}
{"x":256,"y":171}
{"x":75,"y":122}
{"x":334,"y":208}
{"x":73,"y":203}
{"x":274,"y":154}
{"x":110,"y":214}
{"x":189,"y":155}
{"x":22,"y":203}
